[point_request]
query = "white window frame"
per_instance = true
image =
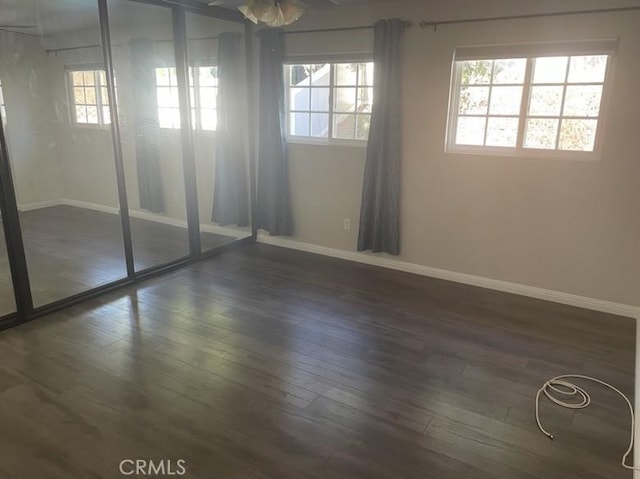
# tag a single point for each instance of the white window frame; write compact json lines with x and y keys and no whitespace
{"x":96,"y":70}
{"x":319,"y":141}
{"x":194,"y":92}
{"x":530,"y":52}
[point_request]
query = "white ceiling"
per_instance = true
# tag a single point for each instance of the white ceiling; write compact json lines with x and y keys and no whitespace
{"x":51,"y":17}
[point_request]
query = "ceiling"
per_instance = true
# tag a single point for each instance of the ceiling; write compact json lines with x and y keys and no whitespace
{"x":51,"y":17}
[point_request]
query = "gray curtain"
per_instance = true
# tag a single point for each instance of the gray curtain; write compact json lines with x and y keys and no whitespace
{"x":273,"y":211}
{"x":145,"y":119}
{"x":230,"y":194}
{"x":380,"y":209}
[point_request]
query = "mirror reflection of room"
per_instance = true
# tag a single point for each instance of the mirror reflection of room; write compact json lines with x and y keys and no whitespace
{"x":60,"y":149}
{"x":216,"y":51}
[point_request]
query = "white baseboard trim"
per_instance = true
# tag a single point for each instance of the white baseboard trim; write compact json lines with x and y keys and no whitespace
{"x":39,"y":205}
{"x":498,"y":285}
{"x":144,"y":215}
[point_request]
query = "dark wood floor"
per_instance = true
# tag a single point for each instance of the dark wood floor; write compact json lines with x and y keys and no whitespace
{"x":70,"y":250}
{"x":269,"y":363}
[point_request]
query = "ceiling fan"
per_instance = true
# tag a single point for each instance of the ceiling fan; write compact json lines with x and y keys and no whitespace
{"x":274,"y":13}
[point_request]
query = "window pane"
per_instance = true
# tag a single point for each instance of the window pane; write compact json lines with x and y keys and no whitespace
{"x":92,"y":115}
{"x":299,"y":124}
{"x":192,"y":96}
{"x":587,"y":69}
{"x":541,"y":133}
{"x":363,"y":123}
{"x":78,"y":95}
{"x":104,"y":96}
{"x":344,"y":100}
{"x":545,"y":100}
{"x":344,"y":127}
{"x":319,"y":99}
{"x":162,"y":77}
{"x":209,"y":119}
{"x":88,"y":78}
{"x":366,"y":74}
{"x":106,"y":115}
{"x":194,"y":119}
{"x":509,"y":71}
{"x":365,"y":100}
{"x":549,"y":70}
{"x":320,"y":74}
{"x":583,"y":100}
{"x":173,"y":78}
{"x":473,"y":100}
{"x":299,"y":98}
{"x":320,"y":125}
{"x":90,"y":96}
{"x":81,"y":114}
{"x":164,"y":97}
{"x":103,"y":77}
{"x":208,"y":97}
{"x":505,"y":100}
{"x":476,"y":72}
{"x":578,"y":135}
{"x":470,"y":131}
{"x":169,"y":118}
{"x":346,"y":74}
{"x":299,"y":75}
{"x":78,"y":78}
{"x":174,"y":97}
{"x":208,"y":76}
{"x":502,"y":132}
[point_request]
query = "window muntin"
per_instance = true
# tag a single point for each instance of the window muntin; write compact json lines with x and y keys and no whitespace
{"x":203,"y":91}
{"x":89,"y":98}
{"x":544,"y":103}
{"x":329,"y":100}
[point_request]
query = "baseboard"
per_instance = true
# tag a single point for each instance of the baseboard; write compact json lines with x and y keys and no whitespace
{"x":90,"y":206}
{"x":144,"y":215}
{"x":498,"y":285}
{"x":39,"y":205}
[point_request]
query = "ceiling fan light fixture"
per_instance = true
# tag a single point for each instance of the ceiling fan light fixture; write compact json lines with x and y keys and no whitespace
{"x":274,"y":13}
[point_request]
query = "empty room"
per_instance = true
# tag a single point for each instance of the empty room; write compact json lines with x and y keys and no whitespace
{"x":324,"y":239}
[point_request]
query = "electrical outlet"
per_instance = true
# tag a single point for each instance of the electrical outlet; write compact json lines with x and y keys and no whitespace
{"x":347,"y":223}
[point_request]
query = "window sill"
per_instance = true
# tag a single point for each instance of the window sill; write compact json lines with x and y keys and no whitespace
{"x":523,"y":153}
{"x":300,"y":140}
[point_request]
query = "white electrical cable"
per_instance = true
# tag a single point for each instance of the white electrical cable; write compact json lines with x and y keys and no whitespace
{"x":554,"y":386}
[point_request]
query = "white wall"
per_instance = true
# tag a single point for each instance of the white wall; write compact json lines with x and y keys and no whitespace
{"x":568,"y":226}
{"x":30,"y":119}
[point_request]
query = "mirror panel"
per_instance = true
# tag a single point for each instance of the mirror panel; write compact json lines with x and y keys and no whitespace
{"x":149,"y":116}
{"x":60,"y":147}
{"x":216,"y":53}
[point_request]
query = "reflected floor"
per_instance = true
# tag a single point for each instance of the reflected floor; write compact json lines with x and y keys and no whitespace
{"x":70,"y":250}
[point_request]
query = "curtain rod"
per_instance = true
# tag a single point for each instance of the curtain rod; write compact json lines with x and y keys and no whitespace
{"x":436,"y":24}
{"x":82,"y":47}
{"x":407,"y":24}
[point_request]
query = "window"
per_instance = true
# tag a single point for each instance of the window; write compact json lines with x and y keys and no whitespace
{"x":528,"y":104}
{"x":90,"y":101}
{"x":203,"y":88}
{"x":329,"y":100}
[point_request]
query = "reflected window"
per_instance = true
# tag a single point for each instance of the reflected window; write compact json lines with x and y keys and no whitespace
{"x":329,"y":100}
{"x":89,"y":98}
{"x":203,"y":88}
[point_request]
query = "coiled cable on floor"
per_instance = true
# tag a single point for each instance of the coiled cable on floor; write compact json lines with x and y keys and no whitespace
{"x":571,"y":396}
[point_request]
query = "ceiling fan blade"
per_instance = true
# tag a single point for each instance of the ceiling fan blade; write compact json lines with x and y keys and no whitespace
{"x":18,"y":26}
